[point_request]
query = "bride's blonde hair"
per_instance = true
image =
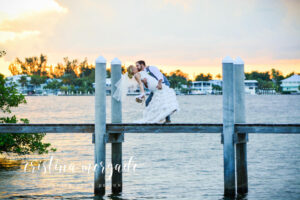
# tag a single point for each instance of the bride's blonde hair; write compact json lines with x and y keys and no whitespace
{"x":130,"y":71}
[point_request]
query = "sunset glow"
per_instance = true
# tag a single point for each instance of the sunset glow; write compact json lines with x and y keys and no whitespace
{"x":192,"y":36}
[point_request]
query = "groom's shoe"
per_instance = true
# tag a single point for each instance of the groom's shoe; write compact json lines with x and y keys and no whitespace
{"x":167,"y":121}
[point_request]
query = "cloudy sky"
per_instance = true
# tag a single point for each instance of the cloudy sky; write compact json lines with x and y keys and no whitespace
{"x":191,"y":35}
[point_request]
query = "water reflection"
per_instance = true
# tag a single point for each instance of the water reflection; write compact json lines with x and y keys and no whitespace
{"x":169,"y":166}
{"x":9,"y":164}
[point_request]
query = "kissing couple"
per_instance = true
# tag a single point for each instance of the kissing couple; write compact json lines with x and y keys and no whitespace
{"x":162,"y":101}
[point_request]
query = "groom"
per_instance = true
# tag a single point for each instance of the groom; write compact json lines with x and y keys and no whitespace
{"x":154,"y":72}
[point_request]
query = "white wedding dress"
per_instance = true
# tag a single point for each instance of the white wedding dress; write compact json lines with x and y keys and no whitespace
{"x":163,"y":102}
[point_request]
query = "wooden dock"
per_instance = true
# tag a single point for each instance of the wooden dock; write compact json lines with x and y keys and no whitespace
{"x":150,"y":128}
{"x":233,"y":131}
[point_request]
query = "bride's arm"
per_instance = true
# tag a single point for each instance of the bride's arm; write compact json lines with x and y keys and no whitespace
{"x":137,"y":77}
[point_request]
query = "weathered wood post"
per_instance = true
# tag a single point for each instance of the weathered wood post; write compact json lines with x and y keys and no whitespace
{"x":240,"y":117}
{"x":228,"y":127}
{"x":116,"y":117}
{"x":100,"y":126}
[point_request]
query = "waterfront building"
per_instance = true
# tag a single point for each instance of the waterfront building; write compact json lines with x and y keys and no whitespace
{"x":251,"y":86}
{"x":201,"y":87}
{"x":24,"y":88}
{"x":291,"y":84}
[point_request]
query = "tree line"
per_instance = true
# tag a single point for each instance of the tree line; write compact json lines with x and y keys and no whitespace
{"x":74,"y":74}
{"x":269,"y":79}
{"x":78,"y":75}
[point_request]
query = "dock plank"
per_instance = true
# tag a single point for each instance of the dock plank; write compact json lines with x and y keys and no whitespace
{"x":150,"y":128}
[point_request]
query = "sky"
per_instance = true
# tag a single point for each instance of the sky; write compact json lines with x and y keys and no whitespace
{"x":190,"y":35}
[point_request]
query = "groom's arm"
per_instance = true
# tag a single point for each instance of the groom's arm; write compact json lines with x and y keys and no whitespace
{"x":155,"y":71}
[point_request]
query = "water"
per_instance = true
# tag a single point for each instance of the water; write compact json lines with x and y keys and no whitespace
{"x":168,"y":166}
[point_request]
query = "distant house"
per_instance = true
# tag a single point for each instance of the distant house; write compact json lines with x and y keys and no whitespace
{"x":217,"y":82}
{"x":28,"y":88}
{"x":218,"y":86}
{"x":205,"y":87}
{"x":251,"y":86}
{"x":201,"y":87}
{"x":51,"y":91}
{"x":108,"y":86}
{"x":291,"y":84}
{"x":39,"y":89}
{"x":25,"y":89}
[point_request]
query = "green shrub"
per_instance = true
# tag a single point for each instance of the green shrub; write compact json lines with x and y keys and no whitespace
{"x":20,"y":143}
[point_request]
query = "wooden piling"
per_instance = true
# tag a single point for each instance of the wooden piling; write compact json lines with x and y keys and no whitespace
{"x":116,"y":117}
{"x":228,"y":127}
{"x":240,"y":117}
{"x":100,"y":126}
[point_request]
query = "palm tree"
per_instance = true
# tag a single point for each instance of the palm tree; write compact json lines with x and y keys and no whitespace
{"x":13,"y":69}
{"x":30,"y":65}
{"x":42,"y":65}
{"x":203,"y":77}
{"x":276,"y":78}
{"x":218,"y":76}
{"x":59,"y":70}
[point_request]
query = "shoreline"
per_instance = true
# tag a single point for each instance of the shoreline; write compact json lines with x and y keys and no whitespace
{"x":176,"y":95}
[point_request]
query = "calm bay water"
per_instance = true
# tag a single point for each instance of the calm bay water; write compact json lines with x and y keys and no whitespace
{"x":168,"y":166}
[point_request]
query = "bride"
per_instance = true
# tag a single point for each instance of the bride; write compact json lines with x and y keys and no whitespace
{"x":163,"y":103}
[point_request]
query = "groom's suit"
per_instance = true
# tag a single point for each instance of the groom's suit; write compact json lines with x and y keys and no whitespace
{"x":154,"y":72}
